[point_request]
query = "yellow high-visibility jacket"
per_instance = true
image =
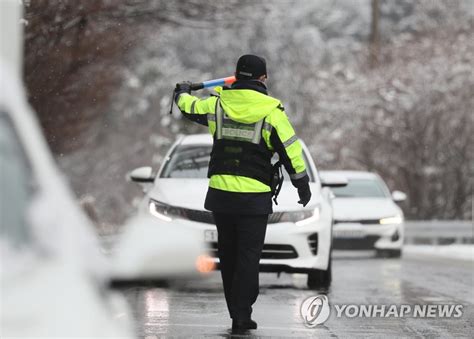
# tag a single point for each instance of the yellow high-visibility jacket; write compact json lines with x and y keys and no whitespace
{"x":249,"y":106}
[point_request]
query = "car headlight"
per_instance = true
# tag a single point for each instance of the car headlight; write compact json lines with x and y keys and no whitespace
{"x":300,"y":218}
{"x":162,"y":211}
{"x":391,"y":220}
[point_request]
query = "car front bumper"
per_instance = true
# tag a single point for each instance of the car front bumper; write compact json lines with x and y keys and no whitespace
{"x":288,"y":247}
{"x":353,"y":236}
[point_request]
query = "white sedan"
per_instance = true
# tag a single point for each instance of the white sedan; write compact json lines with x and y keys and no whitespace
{"x":298,"y":239}
{"x":366,"y":215}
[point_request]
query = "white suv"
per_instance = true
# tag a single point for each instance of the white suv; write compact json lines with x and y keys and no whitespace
{"x":298,"y":239}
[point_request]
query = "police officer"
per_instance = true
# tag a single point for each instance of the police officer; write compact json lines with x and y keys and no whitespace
{"x":248,"y":126}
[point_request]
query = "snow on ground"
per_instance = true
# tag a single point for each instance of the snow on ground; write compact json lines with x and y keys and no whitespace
{"x":454,"y":251}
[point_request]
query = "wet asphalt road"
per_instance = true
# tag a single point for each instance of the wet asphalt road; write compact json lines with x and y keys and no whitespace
{"x":197,"y":309}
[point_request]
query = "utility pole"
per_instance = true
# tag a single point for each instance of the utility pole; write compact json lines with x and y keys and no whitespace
{"x":374,"y":42}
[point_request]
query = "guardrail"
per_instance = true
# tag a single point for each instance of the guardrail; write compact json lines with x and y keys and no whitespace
{"x":439,"y":232}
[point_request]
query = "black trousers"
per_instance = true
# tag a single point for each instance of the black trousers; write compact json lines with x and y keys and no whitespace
{"x":240,"y":243}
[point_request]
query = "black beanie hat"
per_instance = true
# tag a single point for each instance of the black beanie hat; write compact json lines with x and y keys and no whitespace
{"x":250,"y":67}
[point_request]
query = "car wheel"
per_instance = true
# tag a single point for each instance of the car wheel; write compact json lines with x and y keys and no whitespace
{"x":320,"y":279}
{"x":389,"y":253}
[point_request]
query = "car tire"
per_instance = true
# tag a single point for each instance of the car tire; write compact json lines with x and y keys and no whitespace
{"x":320,"y":279}
{"x":397,"y":253}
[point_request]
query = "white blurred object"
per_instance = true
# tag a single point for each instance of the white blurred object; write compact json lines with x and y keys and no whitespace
{"x":149,"y":249}
{"x":11,"y":34}
{"x":53,"y":276}
{"x":54,"y":299}
{"x":52,"y":209}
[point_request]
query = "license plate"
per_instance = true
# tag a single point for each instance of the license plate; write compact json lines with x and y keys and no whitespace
{"x":210,"y":236}
{"x":348,"y":234}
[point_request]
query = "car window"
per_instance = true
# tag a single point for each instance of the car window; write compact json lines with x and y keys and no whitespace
{"x":17,"y":186}
{"x":361,"y":188}
{"x":192,"y":161}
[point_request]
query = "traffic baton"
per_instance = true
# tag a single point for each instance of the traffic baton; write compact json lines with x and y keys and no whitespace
{"x":213,"y":83}
{"x":207,"y":84}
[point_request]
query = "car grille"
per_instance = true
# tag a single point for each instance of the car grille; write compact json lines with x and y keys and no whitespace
{"x":362,"y":221}
{"x":207,"y":217}
{"x":270,"y":251}
{"x":199,"y":216}
{"x":313,"y":243}
{"x":355,"y":244}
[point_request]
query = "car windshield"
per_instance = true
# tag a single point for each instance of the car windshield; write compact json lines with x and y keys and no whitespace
{"x":361,"y":188}
{"x":191,"y":161}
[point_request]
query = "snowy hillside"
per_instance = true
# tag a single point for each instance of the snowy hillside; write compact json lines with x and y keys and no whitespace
{"x":406,"y":115}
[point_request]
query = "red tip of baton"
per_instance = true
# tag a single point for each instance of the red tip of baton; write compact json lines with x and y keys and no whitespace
{"x":229,"y":80}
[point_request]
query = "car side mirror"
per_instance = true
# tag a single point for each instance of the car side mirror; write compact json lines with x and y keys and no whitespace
{"x":141,"y":175}
{"x":334,"y":181}
{"x":398,"y":196}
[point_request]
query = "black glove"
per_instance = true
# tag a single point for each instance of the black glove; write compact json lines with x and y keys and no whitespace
{"x":305,"y":195}
{"x":182,"y":87}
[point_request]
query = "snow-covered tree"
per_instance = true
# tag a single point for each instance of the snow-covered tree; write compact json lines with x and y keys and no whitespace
{"x":101,"y":74}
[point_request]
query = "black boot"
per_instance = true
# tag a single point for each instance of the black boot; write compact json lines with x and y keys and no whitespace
{"x":244,"y":325}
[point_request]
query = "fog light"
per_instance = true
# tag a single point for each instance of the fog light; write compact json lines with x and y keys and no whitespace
{"x":205,"y":264}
